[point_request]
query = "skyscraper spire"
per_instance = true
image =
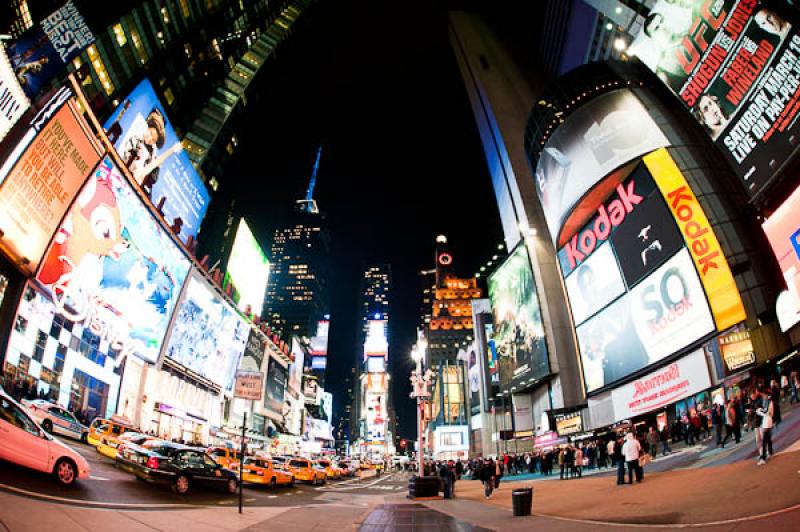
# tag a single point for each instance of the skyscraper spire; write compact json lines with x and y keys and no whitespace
{"x":309,"y":204}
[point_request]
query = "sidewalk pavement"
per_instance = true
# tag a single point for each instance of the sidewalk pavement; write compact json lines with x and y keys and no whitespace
{"x":687,"y":496}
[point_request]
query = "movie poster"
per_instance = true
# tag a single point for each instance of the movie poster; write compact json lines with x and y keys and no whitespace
{"x":735,"y":65}
{"x":145,"y":140}
{"x":113,"y":268}
{"x":519,"y":331}
{"x":208,"y":336}
{"x":276,"y":383}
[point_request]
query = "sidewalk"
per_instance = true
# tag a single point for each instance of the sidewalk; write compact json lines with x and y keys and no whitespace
{"x":716,"y":493}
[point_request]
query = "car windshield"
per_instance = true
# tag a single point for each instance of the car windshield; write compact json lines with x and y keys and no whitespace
{"x":298,"y":463}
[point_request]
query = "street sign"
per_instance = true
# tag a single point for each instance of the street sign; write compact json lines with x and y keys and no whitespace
{"x":249,"y":385}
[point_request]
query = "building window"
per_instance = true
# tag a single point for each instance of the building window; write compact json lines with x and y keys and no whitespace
{"x":169,"y":96}
{"x":100,"y":69}
{"x":119,"y":34}
{"x":138,"y":46}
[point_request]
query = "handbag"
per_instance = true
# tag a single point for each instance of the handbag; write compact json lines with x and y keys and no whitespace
{"x":644,"y":460}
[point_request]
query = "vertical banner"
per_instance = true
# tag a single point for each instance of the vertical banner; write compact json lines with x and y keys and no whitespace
{"x":715,"y":274}
{"x":44,"y":50}
{"x":13,"y":102}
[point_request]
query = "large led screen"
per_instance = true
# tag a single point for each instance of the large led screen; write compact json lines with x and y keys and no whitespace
{"x":296,"y":367}
{"x":147,"y":143}
{"x":13,"y":102}
{"x":319,"y":342}
{"x":591,"y":143}
{"x":783,"y":232}
{"x":275,"y":386}
{"x":594,"y":284}
{"x":734,"y":65}
{"x":248,"y":268}
{"x":112,"y":267}
{"x":45,"y":179}
{"x":375,"y":342}
{"x":519,"y":332}
{"x":208,"y":336}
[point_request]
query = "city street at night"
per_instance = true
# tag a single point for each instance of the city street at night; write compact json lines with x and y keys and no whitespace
{"x":407,"y":265}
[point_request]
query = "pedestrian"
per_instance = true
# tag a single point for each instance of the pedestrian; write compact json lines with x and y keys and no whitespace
{"x":444,"y":476}
{"x":498,"y":474}
{"x":652,"y":441}
{"x":766,"y":411}
{"x":784,"y":386}
{"x":776,"y":403}
{"x":663,"y":435}
{"x":730,"y":421}
{"x":794,"y":379}
{"x":717,"y":416}
{"x":459,"y":469}
{"x":619,"y":460}
{"x":579,"y":462}
{"x":486,"y":475}
{"x":631,"y":450}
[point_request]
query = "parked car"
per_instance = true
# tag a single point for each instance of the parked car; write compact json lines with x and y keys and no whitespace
{"x":24,"y":442}
{"x":259,"y":470}
{"x":55,"y":419}
{"x":331,"y":471}
{"x":109,"y":444}
{"x":180,"y":467}
{"x":303,"y":470}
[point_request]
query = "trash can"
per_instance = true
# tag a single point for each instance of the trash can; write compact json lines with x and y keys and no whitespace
{"x":522,"y":500}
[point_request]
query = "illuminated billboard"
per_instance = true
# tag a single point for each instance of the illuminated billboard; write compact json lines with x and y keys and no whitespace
{"x":783,"y":232}
{"x":248,"y":268}
{"x":208,"y":336}
{"x":13,"y":102}
{"x":296,"y":367}
{"x":275,"y":385}
{"x":111,"y":266}
{"x":57,"y":157}
{"x":518,"y":328}
{"x":596,"y":139}
{"x":319,"y":363}
{"x":733,"y":64}
{"x":319,"y":343}
{"x":376,"y":343}
{"x":42,"y":52}
{"x":147,"y":143}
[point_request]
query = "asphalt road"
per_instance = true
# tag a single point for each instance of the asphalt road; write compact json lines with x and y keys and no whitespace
{"x":109,"y":487}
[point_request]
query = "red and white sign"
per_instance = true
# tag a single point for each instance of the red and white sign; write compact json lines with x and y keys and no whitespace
{"x":660,"y":388}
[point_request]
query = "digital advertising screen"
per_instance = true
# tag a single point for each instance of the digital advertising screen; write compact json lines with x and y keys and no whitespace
{"x":319,"y":363}
{"x":208,"y":337}
{"x":592,"y":142}
{"x":473,"y":375}
{"x":253,"y":352}
{"x":45,"y":179}
{"x":145,"y":140}
{"x":248,"y":268}
{"x":376,"y":342}
{"x":319,"y":342}
{"x":376,"y":416}
{"x":43,"y":51}
{"x":113,"y":267}
{"x":276,"y":383}
{"x":518,"y":329}
{"x":783,"y":233}
{"x":734,"y":65}
{"x":594,"y":284}
{"x":296,"y":367}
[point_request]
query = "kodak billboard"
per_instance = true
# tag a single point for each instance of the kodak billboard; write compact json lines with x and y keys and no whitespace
{"x":715,"y":274}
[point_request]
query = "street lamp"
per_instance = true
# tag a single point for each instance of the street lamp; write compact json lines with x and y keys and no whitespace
{"x":420,"y":383}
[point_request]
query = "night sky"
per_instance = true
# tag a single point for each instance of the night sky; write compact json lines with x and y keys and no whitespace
{"x":377,"y":85}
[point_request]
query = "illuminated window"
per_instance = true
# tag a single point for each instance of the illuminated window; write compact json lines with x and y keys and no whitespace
{"x":185,"y":8}
{"x":188,"y":49}
{"x":119,"y":33}
{"x":100,"y":69}
{"x":169,"y":96}
{"x":138,"y":45}
{"x":165,"y":15}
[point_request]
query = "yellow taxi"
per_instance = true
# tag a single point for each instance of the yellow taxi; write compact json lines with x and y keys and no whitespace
{"x":260,"y":470}
{"x":225,"y":456}
{"x":109,"y":445}
{"x":303,"y":470}
{"x":108,"y":428}
{"x":331,"y":471}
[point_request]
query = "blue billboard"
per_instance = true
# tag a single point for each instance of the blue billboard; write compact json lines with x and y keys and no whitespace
{"x":147,"y":143}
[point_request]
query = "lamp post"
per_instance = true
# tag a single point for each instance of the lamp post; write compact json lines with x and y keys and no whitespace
{"x":420,"y":383}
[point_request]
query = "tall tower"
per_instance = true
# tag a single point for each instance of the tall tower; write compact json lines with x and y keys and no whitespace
{"x":297,"y":294}
{"x":449,"y":332}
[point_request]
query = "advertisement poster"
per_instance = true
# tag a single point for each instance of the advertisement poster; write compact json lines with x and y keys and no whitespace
{"x":319,"y":342}
{"x":709,"y":259}
{"x":590,"y":144}
{"x":376,"y":416}
{"x":594,"y":284}
{"x":112,"y":267}
{"x":296,"y":367}
{"x":147,"y":143}
{"x":44,"y":181}
{"x":473,"y":375}
{"x":43,"y":51}
{"x":670,"y":309}
{"x":491,"y":354}
{"x":519,"y":332}
{"x":679,"y":380}
{"x":248,"y":269}
{"x":253,"y":351}
{"x":13,"y":102}
{"x":735,"y":64}
{"x":208,"y":337}
{"x":276,"y":383}
{"x":783,"y":232}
